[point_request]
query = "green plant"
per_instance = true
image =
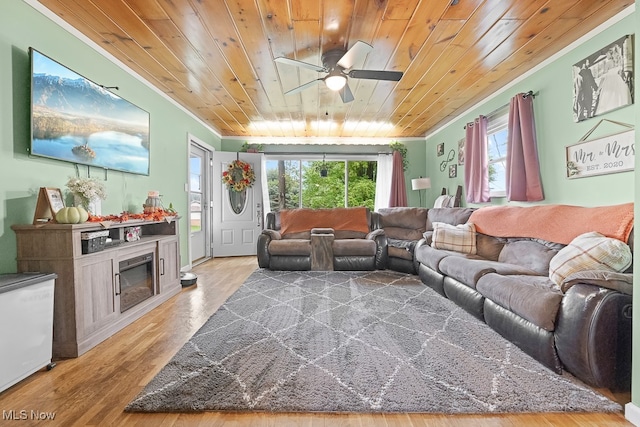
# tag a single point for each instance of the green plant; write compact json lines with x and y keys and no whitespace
{"x":572,"y":168}
{"x":246,"y":147}
{"x":398,"y":146}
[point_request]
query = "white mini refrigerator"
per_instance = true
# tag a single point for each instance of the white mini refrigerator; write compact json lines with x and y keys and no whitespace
{"x":26,"y":325}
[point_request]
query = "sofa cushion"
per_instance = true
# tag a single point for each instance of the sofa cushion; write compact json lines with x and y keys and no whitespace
{"x":528,"y":253}
{"x":302,"y":235}
{"x":534,"y":298}
{"x":401,"y":248}
{"x":489,"y":247}
{"x":403,"y":222}
{"x":464,"y":270}
{"x":432,"y":257}
{"x":290,"y":247}
{"x":349,"y":234}
{"x":589,"y":251}
{"x":354,"y":247}
{"x":459,"y":238}
{"x":451,"y":216}
{"x":403,"y":233}
{"x":470,"y":268}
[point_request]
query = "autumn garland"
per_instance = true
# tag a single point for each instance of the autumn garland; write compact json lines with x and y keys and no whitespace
{"x":238,"y":176}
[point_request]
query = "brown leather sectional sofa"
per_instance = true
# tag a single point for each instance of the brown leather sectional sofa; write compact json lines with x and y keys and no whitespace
{"x":581,"y":324}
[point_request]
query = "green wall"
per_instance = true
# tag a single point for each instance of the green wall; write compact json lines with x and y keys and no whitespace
{"x":555,"y":130}
{"x":21,"y":175}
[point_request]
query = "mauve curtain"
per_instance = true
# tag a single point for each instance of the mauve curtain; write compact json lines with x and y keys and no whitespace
{"x":398,"y":188}
{"x":476,"y":169}
{"x":523,"y":182}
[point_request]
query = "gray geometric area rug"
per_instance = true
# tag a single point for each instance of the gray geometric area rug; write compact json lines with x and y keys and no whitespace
{"x":377,"y":341}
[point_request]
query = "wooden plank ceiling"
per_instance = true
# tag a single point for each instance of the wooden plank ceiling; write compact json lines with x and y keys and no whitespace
{"x":216,"y":57}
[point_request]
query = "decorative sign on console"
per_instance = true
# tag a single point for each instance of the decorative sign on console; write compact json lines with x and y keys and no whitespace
{"x":601,"y":156}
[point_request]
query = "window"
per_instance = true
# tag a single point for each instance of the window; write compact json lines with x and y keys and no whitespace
{"x":497,"y":133}
{"x":283,"y":181}
{"x":195,"y":191}
{"x":321,"y":183}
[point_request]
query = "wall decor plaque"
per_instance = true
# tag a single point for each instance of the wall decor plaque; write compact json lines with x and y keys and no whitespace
{"x":601,"y":156}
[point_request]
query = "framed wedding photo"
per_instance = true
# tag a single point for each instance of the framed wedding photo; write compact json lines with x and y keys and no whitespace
{"x":604,"y":80}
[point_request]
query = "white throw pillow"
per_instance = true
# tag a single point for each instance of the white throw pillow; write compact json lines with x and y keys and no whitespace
{"x":589,"y":251}
{"x":444,"y":201}
{"x":459,"y":238}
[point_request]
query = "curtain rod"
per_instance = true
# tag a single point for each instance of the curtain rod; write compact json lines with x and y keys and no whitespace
{"x":525,"y":95}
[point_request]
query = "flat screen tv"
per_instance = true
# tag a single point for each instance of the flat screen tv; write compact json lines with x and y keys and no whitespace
{"x":75,"y":120}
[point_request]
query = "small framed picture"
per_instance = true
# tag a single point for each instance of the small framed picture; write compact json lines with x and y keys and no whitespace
{"x":453,"y":171}
{"x":49,"y":202}
{"x":461,"y":152}
{"x":54,"y":195}
{"x":440,"y":149}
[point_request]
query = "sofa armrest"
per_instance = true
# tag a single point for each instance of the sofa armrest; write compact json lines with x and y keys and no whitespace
{"x":427,"y":237}
{"x":264,"y":238}
{"x":382,"y":248}
{"x":375,"y":233}
{"x":621,"y":282}
{"x":416,"y":263}
{"x":273,"y":234}
{"x":593,"y":336}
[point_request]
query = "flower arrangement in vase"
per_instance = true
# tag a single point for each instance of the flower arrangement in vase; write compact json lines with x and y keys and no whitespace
{"x":87,"y":192}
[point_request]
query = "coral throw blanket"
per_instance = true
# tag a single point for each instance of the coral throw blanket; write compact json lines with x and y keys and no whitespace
{"x":554,"y":223}
{"x":347,"y":219}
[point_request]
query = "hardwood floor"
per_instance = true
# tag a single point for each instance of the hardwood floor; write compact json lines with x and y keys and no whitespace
{"x":94,"y":388}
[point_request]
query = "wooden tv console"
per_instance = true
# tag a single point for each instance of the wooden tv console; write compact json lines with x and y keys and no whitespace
{"x":87,"y":290}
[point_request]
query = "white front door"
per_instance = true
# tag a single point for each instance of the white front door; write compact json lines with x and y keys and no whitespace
{"x":237,"y":219}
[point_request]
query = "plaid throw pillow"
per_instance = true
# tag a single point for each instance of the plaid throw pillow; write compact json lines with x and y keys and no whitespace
{"x":589,"y":251}
{"x":459,"y":238}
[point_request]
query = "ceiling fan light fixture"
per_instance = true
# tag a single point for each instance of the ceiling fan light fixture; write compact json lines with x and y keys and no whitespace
{"x":335,"y":81}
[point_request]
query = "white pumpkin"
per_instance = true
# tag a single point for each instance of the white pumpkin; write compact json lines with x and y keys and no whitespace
{"x":72,"y":215}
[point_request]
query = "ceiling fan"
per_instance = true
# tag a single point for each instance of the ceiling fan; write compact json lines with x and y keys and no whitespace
{"x":337,"y":63}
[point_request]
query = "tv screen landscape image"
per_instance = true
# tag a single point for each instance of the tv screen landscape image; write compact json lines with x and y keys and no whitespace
{"x":76,"y":120}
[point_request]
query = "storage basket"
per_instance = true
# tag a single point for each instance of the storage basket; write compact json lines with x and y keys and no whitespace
{"x":93,"y":241}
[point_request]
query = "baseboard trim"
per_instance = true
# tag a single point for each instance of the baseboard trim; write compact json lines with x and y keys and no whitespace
{"x":632,"y":413}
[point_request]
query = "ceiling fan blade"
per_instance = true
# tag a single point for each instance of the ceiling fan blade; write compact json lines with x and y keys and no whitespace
{"x":376,"y":75}
{"x":345,"y":94}
{"x":296,"y":63}
{"x":303,"y":87}
{"x":357,"y":53}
